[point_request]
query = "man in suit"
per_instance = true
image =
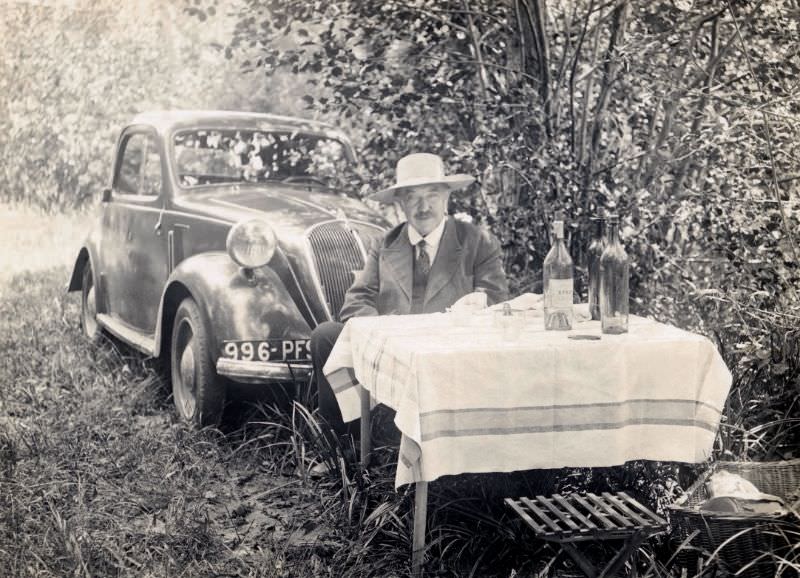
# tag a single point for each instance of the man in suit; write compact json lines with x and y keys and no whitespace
{"x":423,"y":265}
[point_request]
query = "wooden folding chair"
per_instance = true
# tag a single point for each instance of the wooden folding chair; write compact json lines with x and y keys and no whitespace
{"x":574,"y":518}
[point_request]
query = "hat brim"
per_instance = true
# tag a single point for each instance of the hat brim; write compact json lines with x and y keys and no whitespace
{"x":447,"y":184}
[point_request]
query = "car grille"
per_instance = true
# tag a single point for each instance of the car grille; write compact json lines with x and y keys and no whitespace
{"x":337,"y":253}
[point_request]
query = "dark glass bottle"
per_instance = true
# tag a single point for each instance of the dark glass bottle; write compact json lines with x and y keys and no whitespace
{"x":593,"y":254}
{"x":614,"y":271}
{"x":558,"y":283}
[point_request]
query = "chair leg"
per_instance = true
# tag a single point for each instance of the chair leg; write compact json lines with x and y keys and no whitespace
{"x":618,"y":561}
{"x":583,"y":563}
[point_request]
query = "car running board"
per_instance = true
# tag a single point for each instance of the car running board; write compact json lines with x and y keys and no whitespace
{"x":144,"y":342}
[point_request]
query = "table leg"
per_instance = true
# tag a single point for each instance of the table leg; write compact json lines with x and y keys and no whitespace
{"x":365,"y":426}
{"x":420,"y":525}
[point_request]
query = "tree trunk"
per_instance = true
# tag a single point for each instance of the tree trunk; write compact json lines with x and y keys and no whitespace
{"x":618,"y":25}
{"x":587,"y":97}
{"x":532,"y":19}
{"x":573,"y":71}
{"x":694,"y":131}
{"x":477,"y":52}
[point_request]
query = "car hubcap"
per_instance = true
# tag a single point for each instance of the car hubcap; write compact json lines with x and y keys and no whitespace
{"x":186,"y":371}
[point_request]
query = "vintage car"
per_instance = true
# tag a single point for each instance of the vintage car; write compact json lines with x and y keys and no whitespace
{"x":223,"y":240}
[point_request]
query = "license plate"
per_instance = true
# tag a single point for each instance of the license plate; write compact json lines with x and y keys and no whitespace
{"x":268,"y":350}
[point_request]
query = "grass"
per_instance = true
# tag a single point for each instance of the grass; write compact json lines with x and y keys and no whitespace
{"x":33,"y":241}
{"x":98,"y":478}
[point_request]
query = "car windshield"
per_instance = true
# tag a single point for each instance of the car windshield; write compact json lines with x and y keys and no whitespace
{"x":210,"y":156}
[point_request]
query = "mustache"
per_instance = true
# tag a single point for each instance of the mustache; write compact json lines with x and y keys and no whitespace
{"x":424,"y":215}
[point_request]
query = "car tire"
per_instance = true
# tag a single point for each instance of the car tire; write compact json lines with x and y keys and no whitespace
{"x":197,"y":391}
{"x":91,"y":328}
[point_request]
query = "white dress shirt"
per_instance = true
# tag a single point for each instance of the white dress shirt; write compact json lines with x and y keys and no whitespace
{"x":432,"y":239}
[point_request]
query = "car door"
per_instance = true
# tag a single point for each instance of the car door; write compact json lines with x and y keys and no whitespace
{"x":135,"y":260}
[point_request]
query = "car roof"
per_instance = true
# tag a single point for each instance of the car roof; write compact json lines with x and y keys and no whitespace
{"x":165,"y":121}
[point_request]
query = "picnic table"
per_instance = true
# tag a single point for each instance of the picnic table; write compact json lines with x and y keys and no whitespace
{"x":468,"y":401}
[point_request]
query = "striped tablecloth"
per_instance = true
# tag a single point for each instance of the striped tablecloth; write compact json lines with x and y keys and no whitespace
{"x":467,"y":401}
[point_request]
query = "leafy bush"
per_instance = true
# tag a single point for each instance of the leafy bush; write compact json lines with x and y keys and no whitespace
{"x":681,"y":117}
{"x":75,"y":73}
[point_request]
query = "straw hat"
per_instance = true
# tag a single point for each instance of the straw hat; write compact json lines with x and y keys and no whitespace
{"x":421,"y":169}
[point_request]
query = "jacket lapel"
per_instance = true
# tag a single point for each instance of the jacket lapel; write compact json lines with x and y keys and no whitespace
{"x":447,"y":261}
{"x":399,"y":258}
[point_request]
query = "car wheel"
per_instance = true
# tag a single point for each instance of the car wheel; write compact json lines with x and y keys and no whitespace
{"x":198,"y":393}
{"x":91,"y":328}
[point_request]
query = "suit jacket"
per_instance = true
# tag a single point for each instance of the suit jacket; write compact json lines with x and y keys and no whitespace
{"x":467,"y":259}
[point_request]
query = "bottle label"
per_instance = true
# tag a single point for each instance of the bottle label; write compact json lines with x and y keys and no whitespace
{"x":559,"y":293}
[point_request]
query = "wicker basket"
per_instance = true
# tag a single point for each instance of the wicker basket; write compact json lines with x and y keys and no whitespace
{"x":740,"y":541}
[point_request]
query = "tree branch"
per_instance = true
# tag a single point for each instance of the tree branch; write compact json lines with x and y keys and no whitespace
{"x":573,"y":70}
{"x":587,"y":97}
{"x":618,"y":26}
{"x":477,"y":53}
{"x":709,"y":72}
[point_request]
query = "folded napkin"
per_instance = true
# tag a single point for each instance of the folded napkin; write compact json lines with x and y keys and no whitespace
{"x":729,"y":485}
{"x":470,"y":302}
{"x":744,"y":506}
{"x":523,"y":302}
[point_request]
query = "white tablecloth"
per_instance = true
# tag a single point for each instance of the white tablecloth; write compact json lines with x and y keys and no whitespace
{"x":467,"y":401}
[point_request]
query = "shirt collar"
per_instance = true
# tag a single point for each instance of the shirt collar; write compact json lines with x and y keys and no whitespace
{"x":432,"y":239}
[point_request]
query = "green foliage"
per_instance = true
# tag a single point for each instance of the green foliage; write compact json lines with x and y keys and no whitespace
{"x":74,"y":73}
{"x":681,"y":117}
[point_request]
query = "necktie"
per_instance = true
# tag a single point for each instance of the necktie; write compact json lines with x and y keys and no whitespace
{"x":422,"y":268}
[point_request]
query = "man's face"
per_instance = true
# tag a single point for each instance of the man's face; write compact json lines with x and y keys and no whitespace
{"x":424,"y":207}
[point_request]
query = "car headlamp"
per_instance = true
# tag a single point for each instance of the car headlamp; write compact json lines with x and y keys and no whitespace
{"x":251,"y":243}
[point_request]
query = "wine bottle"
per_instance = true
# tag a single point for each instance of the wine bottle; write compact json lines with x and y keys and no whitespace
{"x":593,"y":254}
{"x":558,"y":283}
{"x":614,"y":271}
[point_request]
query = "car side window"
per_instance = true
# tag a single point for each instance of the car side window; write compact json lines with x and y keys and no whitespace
{"x":130,"y":168}
{"x":140,"y":166}
{"x":151,"y":175}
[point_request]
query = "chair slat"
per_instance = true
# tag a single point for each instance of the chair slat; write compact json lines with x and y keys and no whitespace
{"x":609,"y":510}
{"x":652,"y":516}
{"x":624,"y":509}
{"x":571,"y":509}
{"x":595,"y":512}
{"x":564,"y":517}
{"x":542,"y":516}
{"x":537,"y":528}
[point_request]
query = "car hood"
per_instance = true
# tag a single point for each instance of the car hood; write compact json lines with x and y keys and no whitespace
{"x":291,"y":210}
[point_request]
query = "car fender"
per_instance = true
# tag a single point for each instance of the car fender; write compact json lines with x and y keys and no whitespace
{"x":87,"y":253}
{"x":237,"y":304}
{"x":76,"y":278}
